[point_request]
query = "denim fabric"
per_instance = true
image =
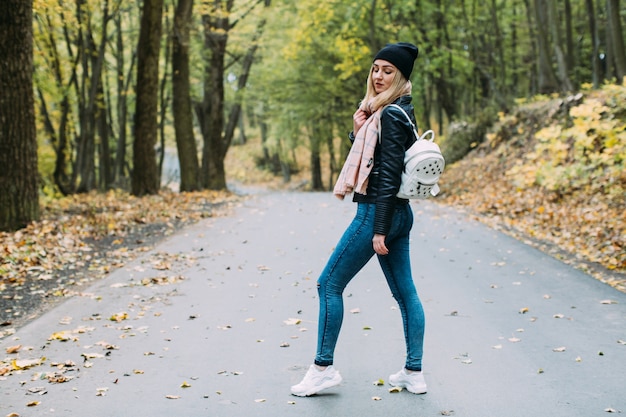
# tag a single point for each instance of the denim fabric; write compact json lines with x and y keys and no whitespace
{"x":353,"y":251}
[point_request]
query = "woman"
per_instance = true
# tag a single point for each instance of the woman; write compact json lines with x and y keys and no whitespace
{"x":382,"y":222}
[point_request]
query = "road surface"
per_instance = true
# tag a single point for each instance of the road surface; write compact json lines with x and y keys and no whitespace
{"x":220,"y":320}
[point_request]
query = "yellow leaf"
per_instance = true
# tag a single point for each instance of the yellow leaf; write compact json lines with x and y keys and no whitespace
{"x":119,"y":317}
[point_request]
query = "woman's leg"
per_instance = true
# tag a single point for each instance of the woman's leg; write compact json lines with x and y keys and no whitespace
{"x":397,"y":269}
{"x":351,"y":254}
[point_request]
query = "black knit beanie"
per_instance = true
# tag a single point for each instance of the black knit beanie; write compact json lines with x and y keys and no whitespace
{"x":401,"y":54}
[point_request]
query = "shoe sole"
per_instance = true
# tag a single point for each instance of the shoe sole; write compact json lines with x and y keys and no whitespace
{"x":327,"y":384}
{"x":400,"y":385}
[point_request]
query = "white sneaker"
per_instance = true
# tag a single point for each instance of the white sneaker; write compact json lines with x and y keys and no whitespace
{"x":314,"y":381}
{"x":413,"y":382}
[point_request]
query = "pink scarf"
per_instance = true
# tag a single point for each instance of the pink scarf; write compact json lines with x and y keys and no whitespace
{"x":360,"y":161}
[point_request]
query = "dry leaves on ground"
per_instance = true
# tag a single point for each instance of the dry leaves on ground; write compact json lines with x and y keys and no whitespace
{"x":584,"y":225}
{"x":84,"y":237}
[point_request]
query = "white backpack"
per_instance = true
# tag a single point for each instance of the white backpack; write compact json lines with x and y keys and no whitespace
{"x":423,"y":165}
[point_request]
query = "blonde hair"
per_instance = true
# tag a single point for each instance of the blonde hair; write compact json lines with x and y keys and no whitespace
{"x":399,"y":87}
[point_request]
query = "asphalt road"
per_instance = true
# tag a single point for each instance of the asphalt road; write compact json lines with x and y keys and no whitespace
{"x":220,"y":320}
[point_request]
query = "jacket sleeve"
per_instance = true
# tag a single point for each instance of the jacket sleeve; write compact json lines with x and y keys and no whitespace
{"x":394,"y":136}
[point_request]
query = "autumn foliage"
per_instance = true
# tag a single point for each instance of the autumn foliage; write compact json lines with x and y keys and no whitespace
{"x":553,"y":172}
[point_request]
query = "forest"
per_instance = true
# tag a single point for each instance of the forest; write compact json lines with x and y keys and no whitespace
{"x":95,"y":93}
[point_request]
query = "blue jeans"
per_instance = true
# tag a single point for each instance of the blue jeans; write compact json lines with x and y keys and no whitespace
{"x":353,"y":251}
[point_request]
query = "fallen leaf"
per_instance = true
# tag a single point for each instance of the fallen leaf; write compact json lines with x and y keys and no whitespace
{"x":38,"y":390}
{"x":394,"y":390}
{"x":185,"y":384}
{"x":355,"y":311}
{"x":608,"y":302}
{"x":13,"y":349}
{"x":21,"y":364}
{"x":92,"y":355}
{"x":376,"y":398}
{"x":119,"y":317}
{"x":33,"y":403}
{"x":260,"y":400}
{"x":292,"y":322}
{"x":172,"y":397}
{"x":379,"y":382}
{"x":514,"y":339}
{"x":524,"y":310}
{"x":559,"y":349}
{"x":611,"y":410}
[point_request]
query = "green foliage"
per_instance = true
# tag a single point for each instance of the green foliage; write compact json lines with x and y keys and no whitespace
{"x":587,"y":153}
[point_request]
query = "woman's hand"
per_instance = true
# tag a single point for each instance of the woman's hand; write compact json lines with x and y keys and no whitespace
{"x":379,"y":244}
{"x":359,"y":117}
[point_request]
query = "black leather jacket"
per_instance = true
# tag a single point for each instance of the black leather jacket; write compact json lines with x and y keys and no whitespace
{"x":384,"y":180}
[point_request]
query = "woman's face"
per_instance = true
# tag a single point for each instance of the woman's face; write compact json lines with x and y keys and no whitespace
{"x":383,"y":73}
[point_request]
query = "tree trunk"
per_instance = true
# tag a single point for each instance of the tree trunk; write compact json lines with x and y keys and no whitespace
{"x":242,"y":80}
{"x":569,"y":37}
{"x":316,"y":165}
{"x":547,"y":79}
{"x":164,"y":98}
{"x":19,"y":194}
{"x":211,"y":111}
{"x":145,"y":174}
{"x":617,"y":40}
{"x":124,"y":79}
{"x":534,"y":83}
{"x":216,"y":133}
{"x":595,"y":42}
{"x":557,"y":44}
{"x":181,"y":105}
{"x":59,"y":138}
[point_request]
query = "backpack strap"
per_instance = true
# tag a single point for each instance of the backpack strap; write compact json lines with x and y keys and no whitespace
{"x":417,"y":136}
